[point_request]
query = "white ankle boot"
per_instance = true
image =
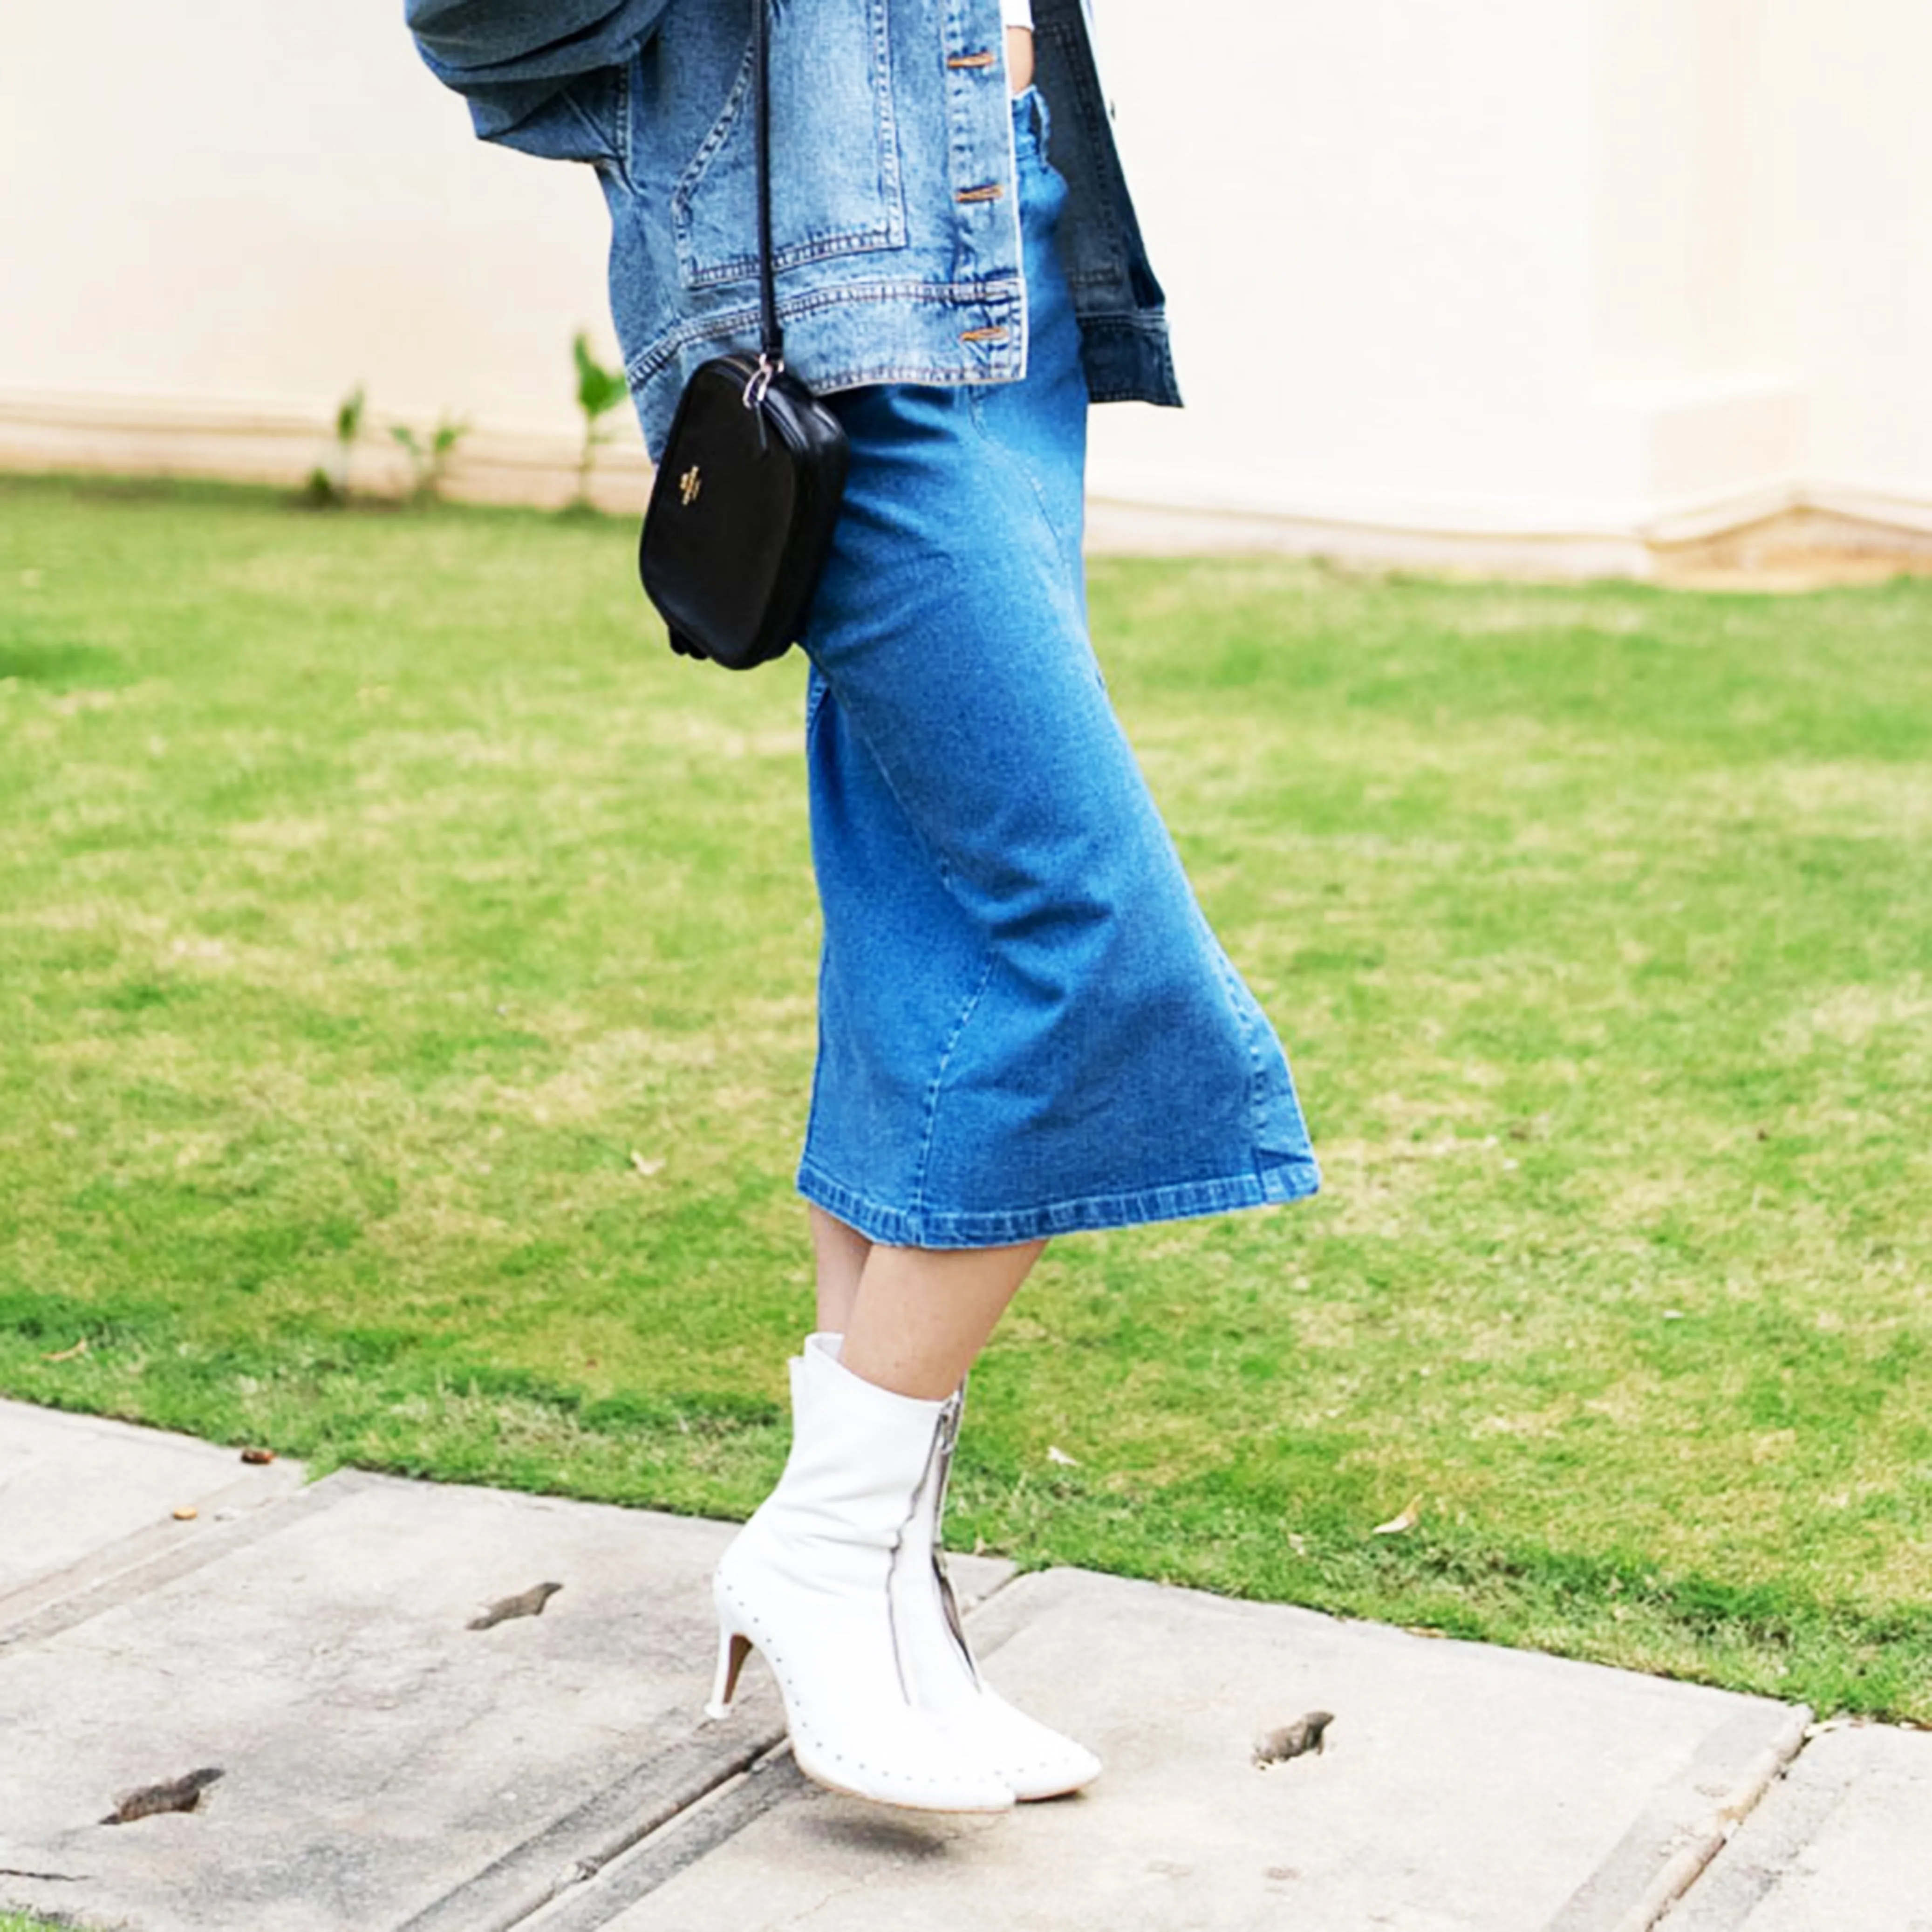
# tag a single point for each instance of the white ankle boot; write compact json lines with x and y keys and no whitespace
{"x":807,"y":1583}
{"x":1033,"y":1760}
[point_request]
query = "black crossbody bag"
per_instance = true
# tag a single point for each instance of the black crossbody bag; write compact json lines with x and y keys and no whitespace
{"x":747,"y":492}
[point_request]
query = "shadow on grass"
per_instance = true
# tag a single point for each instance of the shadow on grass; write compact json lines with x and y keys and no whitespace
{"x":62,"y":666}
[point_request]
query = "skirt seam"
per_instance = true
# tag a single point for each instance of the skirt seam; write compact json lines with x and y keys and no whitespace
{"x":938,"y":1082}
{"x":999,"y":453}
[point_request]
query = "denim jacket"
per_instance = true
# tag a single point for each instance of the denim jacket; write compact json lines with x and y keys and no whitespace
{"x":895,"y":221}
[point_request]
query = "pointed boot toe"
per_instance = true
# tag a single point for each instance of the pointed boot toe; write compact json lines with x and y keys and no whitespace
{"x":1032,"y":1758}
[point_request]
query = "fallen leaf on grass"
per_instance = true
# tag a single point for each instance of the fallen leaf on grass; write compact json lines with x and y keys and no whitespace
{"x":646,"y":1168}
{"x":1293,"y":1740}
{"x":1831,"y":1724}
{"x":177,"y":1794}
{"x":1397,"y":1525}
{"x":527,"y":1604}
{"x":1060,"y":1457}
{"x":68,"y":1354}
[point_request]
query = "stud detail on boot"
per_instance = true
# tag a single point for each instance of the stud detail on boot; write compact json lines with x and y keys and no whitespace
{"x":944,"y":1681}
{"x":808,"y":1584}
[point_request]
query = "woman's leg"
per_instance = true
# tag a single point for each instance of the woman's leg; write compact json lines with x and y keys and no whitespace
{"x":840,"y":1253}
{"x":921,"y":1314}
{"x":919,"y":1318}
{"x":912,"y":1318}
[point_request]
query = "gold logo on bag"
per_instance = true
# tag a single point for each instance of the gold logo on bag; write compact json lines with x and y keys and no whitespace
{"x":688,"y":485}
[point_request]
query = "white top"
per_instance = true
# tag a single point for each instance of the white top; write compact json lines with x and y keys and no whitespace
{"x":1016,"y":14}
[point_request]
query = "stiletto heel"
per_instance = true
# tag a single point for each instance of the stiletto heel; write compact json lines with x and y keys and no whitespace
{"x":733,"y":1649}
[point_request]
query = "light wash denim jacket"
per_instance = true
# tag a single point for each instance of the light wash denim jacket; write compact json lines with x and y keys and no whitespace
{"x":894,"y":214}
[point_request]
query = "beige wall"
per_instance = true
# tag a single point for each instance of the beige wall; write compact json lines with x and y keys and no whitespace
{"x":1540,"y":278}
{"x":225,"y":215}
{"x":1590,"y":271}
{"x":1839,"y":277}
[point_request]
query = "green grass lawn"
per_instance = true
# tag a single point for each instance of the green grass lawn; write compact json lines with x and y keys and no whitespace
{"x":406,"y":983}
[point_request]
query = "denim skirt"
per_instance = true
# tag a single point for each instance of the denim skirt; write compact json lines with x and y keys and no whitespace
{"x":1026,"y":1027}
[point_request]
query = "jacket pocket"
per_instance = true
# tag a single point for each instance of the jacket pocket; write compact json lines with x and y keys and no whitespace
{"x":836,"y":188}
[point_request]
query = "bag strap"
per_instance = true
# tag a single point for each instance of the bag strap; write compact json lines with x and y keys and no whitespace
{"x":771,"y":338}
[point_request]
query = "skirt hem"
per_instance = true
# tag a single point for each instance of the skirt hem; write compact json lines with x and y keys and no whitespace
{"x":1292,"y":1177}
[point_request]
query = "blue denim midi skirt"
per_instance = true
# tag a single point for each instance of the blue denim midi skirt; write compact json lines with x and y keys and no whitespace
{"x":1026,"y":1027}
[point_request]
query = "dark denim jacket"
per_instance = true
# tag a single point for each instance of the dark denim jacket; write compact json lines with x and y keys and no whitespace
{"x":894,"y":215}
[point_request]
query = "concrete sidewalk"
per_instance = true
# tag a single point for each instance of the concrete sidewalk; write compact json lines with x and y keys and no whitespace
{"x":388,"y":1767}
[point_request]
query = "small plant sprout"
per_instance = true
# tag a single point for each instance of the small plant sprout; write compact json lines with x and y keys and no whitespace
{"x":599,"y":391}
{"x":348,"y":432}
{"x":429,"y":456}
{"x":327,"y":487}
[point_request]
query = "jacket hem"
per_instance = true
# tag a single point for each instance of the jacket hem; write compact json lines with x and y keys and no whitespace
{"x":740,"y":320}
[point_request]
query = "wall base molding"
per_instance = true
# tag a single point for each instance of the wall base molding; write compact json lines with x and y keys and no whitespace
{"x":242,"y":444}
{"x":1845,"y":529}
{"x":1793,"y":538}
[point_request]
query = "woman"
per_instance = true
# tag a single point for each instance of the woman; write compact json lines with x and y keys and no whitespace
{"x":1026,"y":1027}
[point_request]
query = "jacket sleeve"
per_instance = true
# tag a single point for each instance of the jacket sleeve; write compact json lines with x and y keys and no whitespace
{"x":535,"y":72}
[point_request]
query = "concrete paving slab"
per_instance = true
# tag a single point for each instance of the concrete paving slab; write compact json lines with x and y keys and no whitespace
{"x":80,"y":1496}
{"x":1843,"y":1844}
{"x":384,"y":1763}
{"x":1463,"y":1789}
